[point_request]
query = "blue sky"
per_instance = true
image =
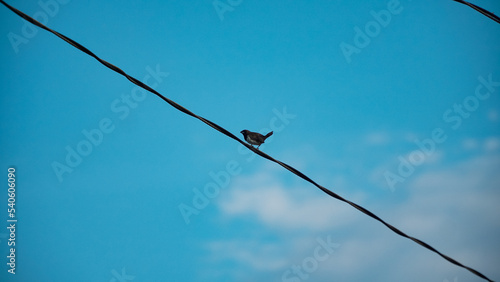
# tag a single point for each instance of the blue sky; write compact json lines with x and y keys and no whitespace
{"x":116,"y":185}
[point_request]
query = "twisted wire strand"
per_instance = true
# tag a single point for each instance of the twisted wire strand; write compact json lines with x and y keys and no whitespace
{"x":480,"y":10}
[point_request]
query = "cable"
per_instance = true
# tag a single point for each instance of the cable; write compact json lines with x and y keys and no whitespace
{"x":229,"y":134}
{"x":480,"y":10}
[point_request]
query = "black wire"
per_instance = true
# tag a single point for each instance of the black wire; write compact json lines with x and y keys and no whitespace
{"x":480,"y":10}
{"x":229,"y":134}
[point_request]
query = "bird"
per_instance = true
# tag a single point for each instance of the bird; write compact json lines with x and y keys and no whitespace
{"x":255,"y":138}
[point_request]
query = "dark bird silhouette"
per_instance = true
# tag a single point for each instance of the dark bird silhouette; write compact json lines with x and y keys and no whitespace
{"x":255,"y":138}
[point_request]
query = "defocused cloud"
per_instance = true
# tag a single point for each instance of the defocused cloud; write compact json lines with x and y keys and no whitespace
{"x":492,"y":144}
{"x":445,"y":207}
{"x":275,"y":205}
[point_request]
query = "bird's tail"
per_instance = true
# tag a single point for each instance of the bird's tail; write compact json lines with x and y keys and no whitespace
{"x":269,"y":134}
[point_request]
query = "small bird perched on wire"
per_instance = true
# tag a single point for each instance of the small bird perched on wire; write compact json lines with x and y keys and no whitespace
{"x":255,"y":138}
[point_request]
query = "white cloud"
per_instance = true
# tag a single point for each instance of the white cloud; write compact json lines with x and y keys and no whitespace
{"x":410,"y":136}
{"x":467,"y":187}
{"x":455,"y":209}
{"x":276,"y":206}
{"x":256,"y":254}
{"x":296,"y":215}
{"x":470,"y":144}
{"x":488,"y":144}
{"x":492,"y":144}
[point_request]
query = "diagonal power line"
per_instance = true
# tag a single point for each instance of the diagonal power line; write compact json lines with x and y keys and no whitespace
{"x":480,"y":10}
{"x":230,"y":135}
